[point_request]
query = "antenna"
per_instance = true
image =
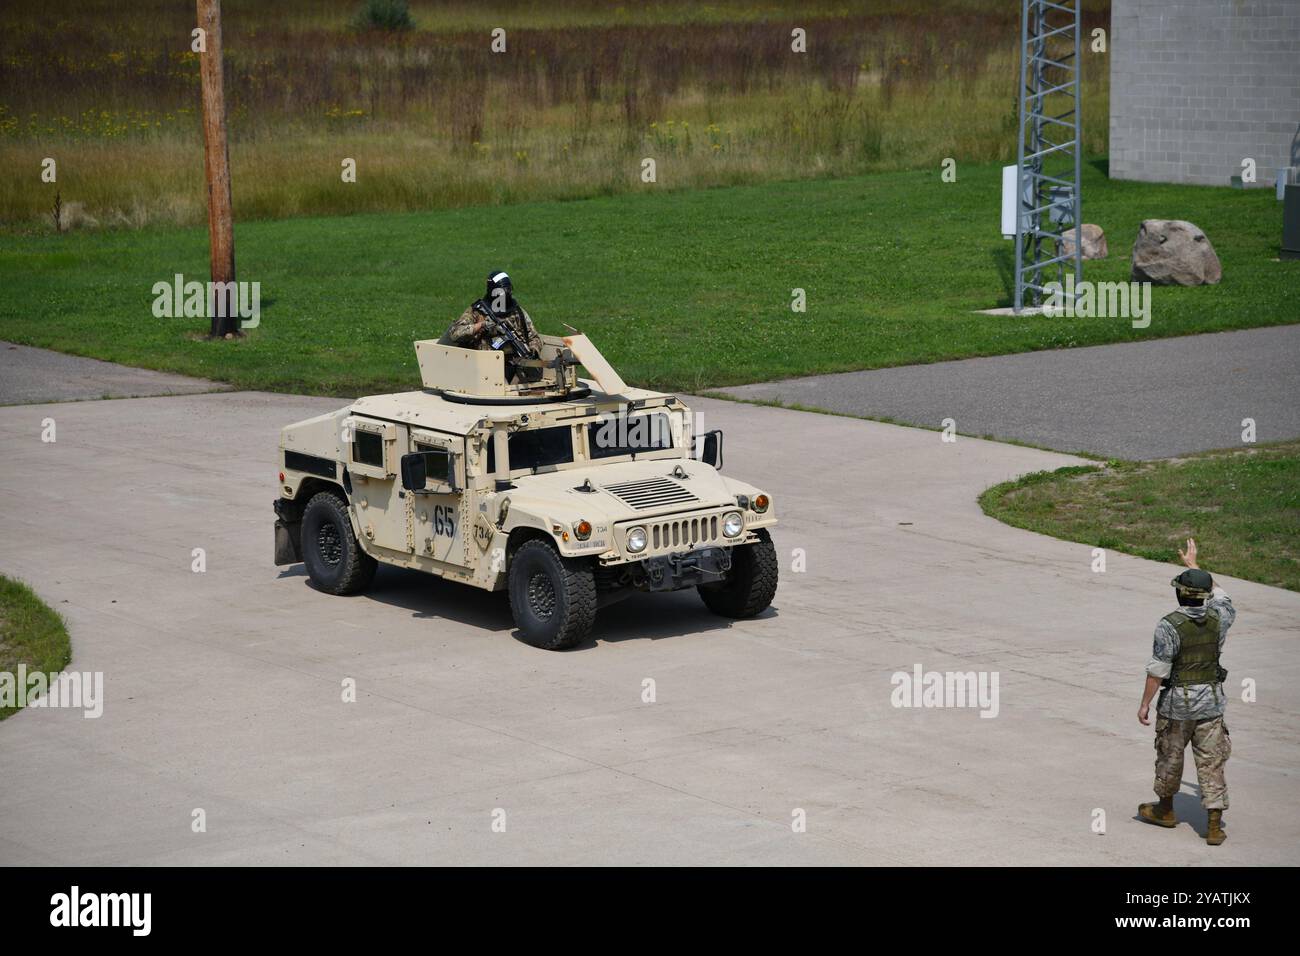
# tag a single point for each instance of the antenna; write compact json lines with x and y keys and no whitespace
{"x":1050,"y":136}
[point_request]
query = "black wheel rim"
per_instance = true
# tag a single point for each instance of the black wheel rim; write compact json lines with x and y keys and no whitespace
{"x":541,"y":595}
{"x":329,"y":543}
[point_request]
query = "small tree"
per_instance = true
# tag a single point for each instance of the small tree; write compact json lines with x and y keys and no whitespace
{"x":390,"y":15}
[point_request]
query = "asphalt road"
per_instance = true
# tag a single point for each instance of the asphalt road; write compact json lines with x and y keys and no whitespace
{"x":1139,"y":400}
{"x":38,"y":375}
{"x":223,"y":689}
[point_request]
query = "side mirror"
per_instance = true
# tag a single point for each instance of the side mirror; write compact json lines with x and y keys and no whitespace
{"x":414,"y":472}
{"x":711,"y":452}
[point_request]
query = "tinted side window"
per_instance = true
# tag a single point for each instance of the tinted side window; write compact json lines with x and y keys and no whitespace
{"x":368,"y":448}
{"x":627,"y":435}
{"x":436,"y":461}
{"x":541,"y":447}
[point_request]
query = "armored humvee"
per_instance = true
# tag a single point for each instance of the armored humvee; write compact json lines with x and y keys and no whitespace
{"x":514,"y":474}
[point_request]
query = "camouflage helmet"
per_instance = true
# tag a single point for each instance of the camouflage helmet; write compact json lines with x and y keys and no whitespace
{"x":1194,"y":583}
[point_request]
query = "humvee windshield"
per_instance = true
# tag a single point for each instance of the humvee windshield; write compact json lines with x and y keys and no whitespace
{"x":537,"y":448}
{"x":628,"y":435}
{"x":608,"y":438}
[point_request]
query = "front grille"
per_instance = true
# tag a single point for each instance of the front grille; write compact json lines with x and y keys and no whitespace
{"x":650,"y":493}
{"x":683,"y":532}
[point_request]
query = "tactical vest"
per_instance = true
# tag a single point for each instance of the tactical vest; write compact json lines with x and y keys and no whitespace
{"x":1197,"y":661}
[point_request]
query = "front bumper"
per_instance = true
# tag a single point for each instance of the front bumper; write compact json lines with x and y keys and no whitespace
{"x":672,"y":572}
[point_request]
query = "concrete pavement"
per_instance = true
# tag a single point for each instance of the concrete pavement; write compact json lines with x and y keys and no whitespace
{"x":224,"y":688}
{"x":38,"y":375}
{"x":1137,"y":400}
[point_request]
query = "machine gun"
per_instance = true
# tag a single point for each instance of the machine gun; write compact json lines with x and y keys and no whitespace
{"x":502,"y":330}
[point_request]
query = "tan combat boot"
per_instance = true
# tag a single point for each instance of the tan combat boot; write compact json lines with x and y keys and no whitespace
{"x":1161,"y":814}
{"x":1214,"y":834}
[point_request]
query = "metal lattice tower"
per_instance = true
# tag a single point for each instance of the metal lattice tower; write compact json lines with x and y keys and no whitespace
{"x":1050,"y":128}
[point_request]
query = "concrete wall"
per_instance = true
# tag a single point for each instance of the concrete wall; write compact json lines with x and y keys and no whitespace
{"x":1198,"y":85}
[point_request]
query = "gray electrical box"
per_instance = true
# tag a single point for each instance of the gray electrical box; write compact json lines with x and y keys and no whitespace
{"x":1285,"y":176}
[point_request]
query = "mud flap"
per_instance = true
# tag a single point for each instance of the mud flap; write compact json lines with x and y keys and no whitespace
{"x":288,"y":545}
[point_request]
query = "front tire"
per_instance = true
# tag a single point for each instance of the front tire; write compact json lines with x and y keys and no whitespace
{"x":750,"y":585}
{"x":553,"y":599}
{"x":335,"y":562}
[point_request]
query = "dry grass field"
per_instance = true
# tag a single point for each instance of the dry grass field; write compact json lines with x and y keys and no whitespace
{"x":434,"y":119}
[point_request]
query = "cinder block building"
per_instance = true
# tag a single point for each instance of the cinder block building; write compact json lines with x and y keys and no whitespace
{"x":1198,"y":86}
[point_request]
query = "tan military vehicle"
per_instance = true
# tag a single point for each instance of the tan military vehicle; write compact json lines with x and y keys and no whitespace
{"x":567,"y":493}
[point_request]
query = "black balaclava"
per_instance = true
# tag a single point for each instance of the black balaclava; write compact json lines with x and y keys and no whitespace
{"x":499,"y":296}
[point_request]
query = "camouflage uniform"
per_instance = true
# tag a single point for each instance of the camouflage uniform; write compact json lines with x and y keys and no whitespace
{"x":1211,"y":747}
{"x":1191,"y":714}
{"x":470,"y":331}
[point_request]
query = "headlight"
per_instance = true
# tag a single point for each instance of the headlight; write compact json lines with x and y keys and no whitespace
{"x":636,"y":540}
{"x":733,"y":524}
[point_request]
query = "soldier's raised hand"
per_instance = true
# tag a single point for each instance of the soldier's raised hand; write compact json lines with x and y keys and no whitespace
{"x":1189,"y":556}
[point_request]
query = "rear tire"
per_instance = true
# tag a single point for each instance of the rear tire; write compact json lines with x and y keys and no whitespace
{"x":553,"y":599}
{"x":750,"y":585}
{"x":335,"y":562}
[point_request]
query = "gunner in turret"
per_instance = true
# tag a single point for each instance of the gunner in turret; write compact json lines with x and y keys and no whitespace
{"x":498,"y":321}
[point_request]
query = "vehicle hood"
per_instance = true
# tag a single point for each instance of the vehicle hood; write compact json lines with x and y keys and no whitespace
{"x":634,"y":489}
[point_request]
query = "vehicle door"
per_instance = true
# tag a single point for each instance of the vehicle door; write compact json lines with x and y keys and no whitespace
{"x":439,"y":519}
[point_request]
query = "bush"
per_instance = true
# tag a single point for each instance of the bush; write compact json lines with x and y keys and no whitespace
{"x":391,"y":15}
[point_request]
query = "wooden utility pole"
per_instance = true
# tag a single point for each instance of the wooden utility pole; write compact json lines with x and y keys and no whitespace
{"x":221,"y":229}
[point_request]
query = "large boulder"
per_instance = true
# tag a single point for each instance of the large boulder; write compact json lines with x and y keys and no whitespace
{"x":1094,"y":242}
{"x":1174,"y":252}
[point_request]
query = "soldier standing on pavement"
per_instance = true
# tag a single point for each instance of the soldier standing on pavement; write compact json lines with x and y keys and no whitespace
{"x":1185,"y":667}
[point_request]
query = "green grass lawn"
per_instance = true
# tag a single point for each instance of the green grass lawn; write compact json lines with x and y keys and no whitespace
{"x":681,"y":289}
{"x":1241,"y":505}
{"x":30,"y":633}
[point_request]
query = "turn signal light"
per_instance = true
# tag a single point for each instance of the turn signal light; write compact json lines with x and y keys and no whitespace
{"x":583,"y":530}
{"x":760,"y":503}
